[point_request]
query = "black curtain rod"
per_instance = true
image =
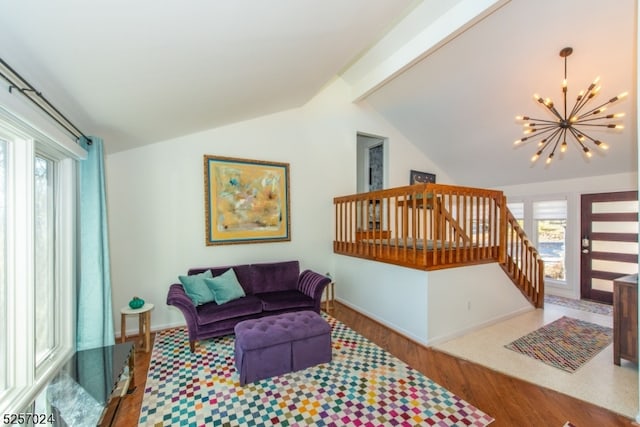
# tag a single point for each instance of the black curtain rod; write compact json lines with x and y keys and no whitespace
{"x":36,"y":97}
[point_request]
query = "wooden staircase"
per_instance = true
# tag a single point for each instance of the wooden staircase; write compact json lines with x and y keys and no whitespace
{"x":434,"y":226}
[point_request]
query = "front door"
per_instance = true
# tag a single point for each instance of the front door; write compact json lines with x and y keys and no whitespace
{"x":609,"y":242}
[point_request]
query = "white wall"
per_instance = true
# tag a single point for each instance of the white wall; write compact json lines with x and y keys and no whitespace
{"x":468,"y":298}
{"x":572,"y":189}
{"x":428,"y":307}
{"x":394,"y":296}
{"x":156,"y":201}
{"x":156,"y":207}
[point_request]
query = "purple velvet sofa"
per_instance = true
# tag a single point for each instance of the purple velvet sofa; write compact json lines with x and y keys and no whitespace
{"x":270,"y":288}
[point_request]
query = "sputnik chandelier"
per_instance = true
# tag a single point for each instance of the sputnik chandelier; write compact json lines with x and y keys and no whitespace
{"x":573,"y":124}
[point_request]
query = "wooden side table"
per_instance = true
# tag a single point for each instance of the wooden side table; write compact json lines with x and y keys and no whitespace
{"x":329,"y":297}
{"x":144,"y":324}
{"x":625,"y":319}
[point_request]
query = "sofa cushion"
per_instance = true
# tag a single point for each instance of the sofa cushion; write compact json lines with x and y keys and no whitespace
{"x":225,"y":287}
{"x":283,"y":300}
{"x":196,"y":288}
{"x":212,"y":312}
{"x":275,"y":276}
{"x":244,"y":273}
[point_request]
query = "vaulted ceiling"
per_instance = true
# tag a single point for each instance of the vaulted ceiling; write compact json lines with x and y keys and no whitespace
{"x":451,"y":76}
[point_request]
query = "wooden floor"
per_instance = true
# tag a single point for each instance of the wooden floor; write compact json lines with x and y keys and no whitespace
{"x":512,"y":402}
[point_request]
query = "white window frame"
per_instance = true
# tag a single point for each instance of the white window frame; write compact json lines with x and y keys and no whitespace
{"x":24,"y":381}
{"x":535,"y":237}
{"x":3,"y":279}
{"x":570,"y":287}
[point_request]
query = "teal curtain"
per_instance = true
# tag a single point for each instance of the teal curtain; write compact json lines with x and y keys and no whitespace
{"x":93,"y":298}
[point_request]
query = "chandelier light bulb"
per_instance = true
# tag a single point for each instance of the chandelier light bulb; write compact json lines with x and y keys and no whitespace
{"x":619,"y":97}
{"x":549,"y":158}
{"x":563,"y":147}
{"x":601,"y":144}
{"x":570,"y":123}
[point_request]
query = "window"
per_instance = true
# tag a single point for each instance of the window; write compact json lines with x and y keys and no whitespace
{"x":37,"y":254}
{"x":550,"y":219}
{"x":3,"y":263}
{"x":545,"y":223}
{"x":45,"y":284}
{"x":517,"y":210}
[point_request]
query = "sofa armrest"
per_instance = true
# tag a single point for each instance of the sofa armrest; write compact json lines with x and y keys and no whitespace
{"x":312,"y":284}
{"x":177,"y":297}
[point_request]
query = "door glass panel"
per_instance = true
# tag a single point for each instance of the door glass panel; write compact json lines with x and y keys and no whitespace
{"x":614,"y":207}
{"x":614,"y":266}
{"x":614,"y":227}
{"x":602,"y":285}
{"x":614,"y":247}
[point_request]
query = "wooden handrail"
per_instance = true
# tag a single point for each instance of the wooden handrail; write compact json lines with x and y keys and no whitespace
{"x":433,"y":226}
{"x":424,"y":226}
{"x":523,"y":263}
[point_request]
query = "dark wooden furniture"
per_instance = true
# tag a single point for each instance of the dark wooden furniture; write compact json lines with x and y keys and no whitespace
{"x":625,"y":319}
{"x":91,"y":384}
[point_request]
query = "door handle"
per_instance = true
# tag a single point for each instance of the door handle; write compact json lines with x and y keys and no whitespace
{"x":586,"y":243}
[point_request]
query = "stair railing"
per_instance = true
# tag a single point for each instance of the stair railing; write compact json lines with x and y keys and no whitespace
{"x":433,"y":226}
{"x":523,"y":263}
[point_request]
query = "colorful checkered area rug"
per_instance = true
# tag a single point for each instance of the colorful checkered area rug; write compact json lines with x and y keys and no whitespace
{"x":566,"y":343}
{"x":362,"y":386}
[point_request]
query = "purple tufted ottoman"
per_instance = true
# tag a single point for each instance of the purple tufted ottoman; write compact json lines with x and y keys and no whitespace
{"x":275,"y":345}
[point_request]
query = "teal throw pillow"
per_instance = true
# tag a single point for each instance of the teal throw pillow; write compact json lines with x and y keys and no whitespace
{"x":196,"y":288}
{"x":225,"y":287}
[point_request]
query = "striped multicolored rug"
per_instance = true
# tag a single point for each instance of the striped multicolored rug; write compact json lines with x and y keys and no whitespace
{"x":566,"y":343}
{"x":363,"y":386}
{"x":583,"y":305}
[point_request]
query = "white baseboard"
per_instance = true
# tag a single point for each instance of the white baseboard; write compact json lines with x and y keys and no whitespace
{"x":390,"y":325}
{"x":154,"y":328}
{"x":465,"y":331}
{"x":440,"y":339}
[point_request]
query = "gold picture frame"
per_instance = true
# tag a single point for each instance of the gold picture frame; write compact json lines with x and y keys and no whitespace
{"x":245,"y":201}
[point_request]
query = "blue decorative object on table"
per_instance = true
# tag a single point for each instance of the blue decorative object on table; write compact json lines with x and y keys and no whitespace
{"x":136,"y":303}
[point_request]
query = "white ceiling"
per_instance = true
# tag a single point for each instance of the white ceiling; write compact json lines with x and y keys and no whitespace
{"x":143,"y":71}
{"x":459,"y":104}
{"x":140,"y":72}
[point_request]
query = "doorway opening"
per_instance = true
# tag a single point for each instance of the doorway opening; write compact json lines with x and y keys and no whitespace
{"x":372,"y":163}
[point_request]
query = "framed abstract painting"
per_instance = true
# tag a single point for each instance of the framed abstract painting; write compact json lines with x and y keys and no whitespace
{"x":246,"y":201}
